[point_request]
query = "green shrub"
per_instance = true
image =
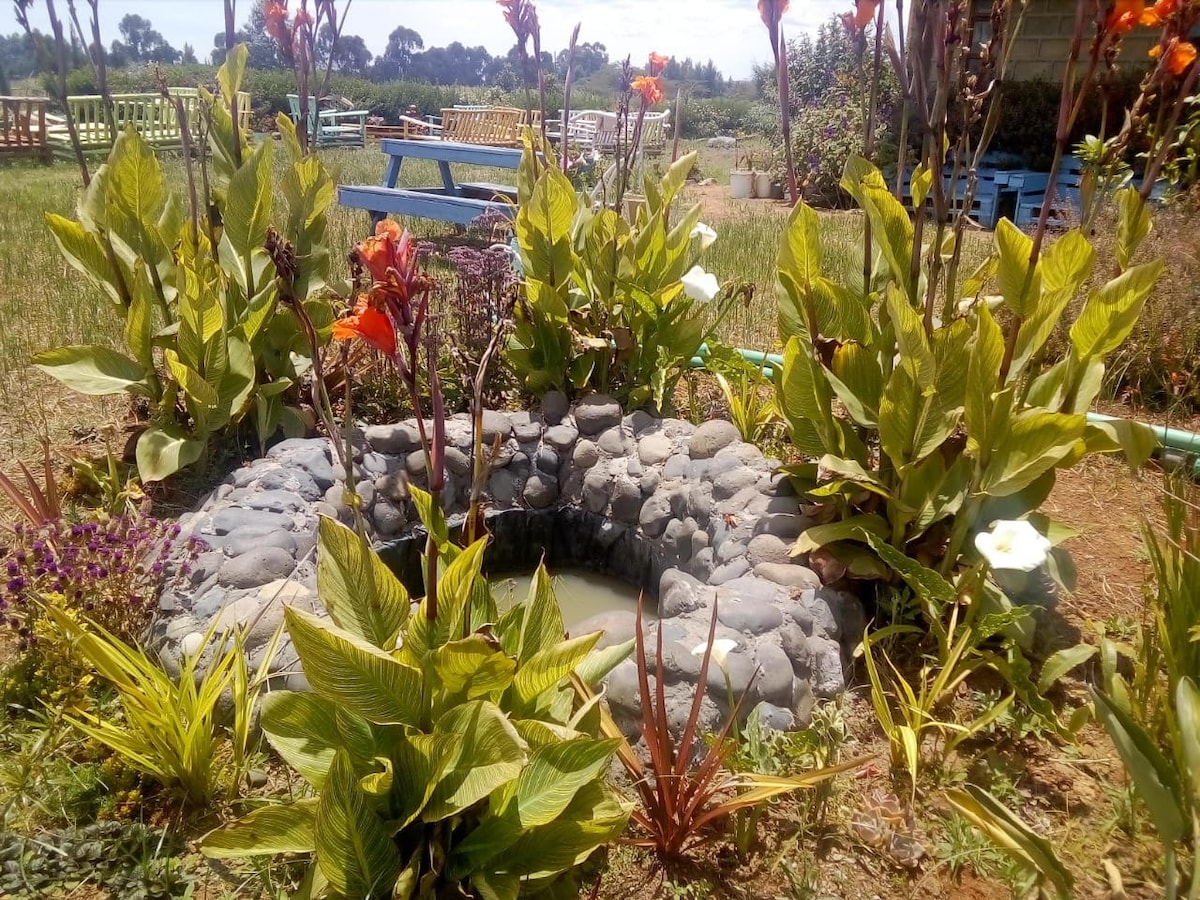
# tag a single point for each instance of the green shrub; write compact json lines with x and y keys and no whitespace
{"x":704,"y":117}
{"x":464,"y":761}
{"x":609,"y":305}
{"x":198,"y":287}
{"x":825,"y":135}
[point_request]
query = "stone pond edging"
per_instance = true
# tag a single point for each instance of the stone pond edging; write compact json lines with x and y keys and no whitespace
{"x":691,"y":513}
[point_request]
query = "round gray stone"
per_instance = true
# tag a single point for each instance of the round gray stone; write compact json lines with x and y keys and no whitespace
{"x":561,"y":437}
{"x":612,"y":441}
{"x":677,"y":466}
{"x":616,"y":626}
{"x":458,"y":462}
{"x":256,"y":567}
{"x":626,"y":500}
{"x":654,"y":449}
{"x":495,"y":425}
{"x":788,"y":574}
{"x":655,"y":514}
{"x":415,"y":463}
{"x":393,"y":487}
{"x":775,"y":675}
{"x":752,"y":616}
{"x":547,"y":461}
{"x":396,"y":439}
{"x":388,"y":519}
{"x":555,"y":407}
{"x":711,"y":437}
{"x":729,"y":483}
{"x":526,"y":429}
{"x":679,"y":593}
{"x":766,"y":548}
{"x":540,"y":491}
{"x":586,"y":455}
{"x":596,"y":487}
{"x":795,"y":644}
{"x":775,"y":718}
{"x":735,"y":568}
{"x":788,"y":526}
{"x":596,"y":412}
{"x":232,"y":518}
{"x":244,"y":540}
{"x":503,"y":487}
{"x":828,"y":679}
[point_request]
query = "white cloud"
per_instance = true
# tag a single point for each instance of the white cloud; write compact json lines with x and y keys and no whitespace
{"x":727,"y":31}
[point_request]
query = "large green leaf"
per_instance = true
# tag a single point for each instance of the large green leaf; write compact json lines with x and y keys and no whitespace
{"x":544,"y":227}
{"x":1065,"y":267}
{"x":423,"y":634}
{"x":983,"y":378}
{"x":248,"y":210}
{"x":1012,"y":835}
{"x":280,"y":828}
{"x":191,"y":382}
{"x":93,"y":370}
{"x":1187,"y":712}
{"x":354,"y":851}
{"x":542,"y":626}
{"x":360,"y":592}
{"x":890,"y":221}
{"x":347,"y":670}
{"x":549,"y":666}
{"x":805,"y":399}
{"x":854,"y":527}
{"x":1152,"y":773}
{"x":1133,"y":224}
{"x":595,"y":817}
{"x":600,"y":662}
{"x":471,"y":666}
{"x":161,"y":452}
{"x":1136,"y":440}
{"x":418,"y":763}
{"x":302,"y":728}
{"x":1035,"y":442}
{"x":1111,"y":312}
{"x":84,"y":252}
{"x":554,"y":775}
{"x":857,"y":379}
{"x":1021,"y":293}
{"x":925,"y":582}
{"x":492,"y":753}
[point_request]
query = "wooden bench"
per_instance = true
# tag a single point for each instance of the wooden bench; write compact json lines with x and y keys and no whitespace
{"x":23,"y":127}
{"x":332,"y":127}
{"x":491,"y":127}
{"x":153,"y":116}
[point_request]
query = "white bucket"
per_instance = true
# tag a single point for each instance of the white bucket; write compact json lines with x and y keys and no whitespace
{"x":741,"y":185}
{"x":762,"y":185}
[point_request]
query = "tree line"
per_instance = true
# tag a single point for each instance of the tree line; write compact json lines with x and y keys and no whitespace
{"x":405,"y":57}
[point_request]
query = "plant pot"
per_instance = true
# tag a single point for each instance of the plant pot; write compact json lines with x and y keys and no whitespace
{"x":762,"y":185}
{"x":741,"y":184}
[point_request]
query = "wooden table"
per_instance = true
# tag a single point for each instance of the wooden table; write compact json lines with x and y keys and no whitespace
{"x":453,"y":201}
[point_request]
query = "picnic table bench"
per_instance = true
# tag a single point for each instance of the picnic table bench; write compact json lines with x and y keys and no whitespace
{"x":23,"y":126}
{"x":454,"y":201}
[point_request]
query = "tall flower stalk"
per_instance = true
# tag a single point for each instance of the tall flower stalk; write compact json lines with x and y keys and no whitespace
{"x":391,"y":315}
{"x":772,"y":12}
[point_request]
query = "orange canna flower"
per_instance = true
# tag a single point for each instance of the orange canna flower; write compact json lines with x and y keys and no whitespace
{"x":276,"y":22}
{"x":1159,"y":12}
{"x":389,"y":249}
{"x":1180,"y":55}
{"x":657,"y":64}
{"x":864,"y":12}
{"x":1125,"y":14}
{"x":651,"y":89}
{"x":369,"y":324}
{"x":771,"y":11}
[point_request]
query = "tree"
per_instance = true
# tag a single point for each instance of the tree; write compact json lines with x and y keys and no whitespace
{"x":263,"y":50}
{"x":19,"y":54}
{"x":350,"y":55}
{"x":396,"y":59}
{"x":141,"y":43}
{"x":189,"y":55}
{"x":590,"y":57}
{"x":454,"y":64}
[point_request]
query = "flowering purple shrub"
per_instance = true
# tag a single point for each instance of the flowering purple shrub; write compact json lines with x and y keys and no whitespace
{"x":108,"y":571}
{"x":482,"y":301}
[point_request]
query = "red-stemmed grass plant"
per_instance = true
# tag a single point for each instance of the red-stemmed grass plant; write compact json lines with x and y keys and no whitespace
{"x":683,"y":795}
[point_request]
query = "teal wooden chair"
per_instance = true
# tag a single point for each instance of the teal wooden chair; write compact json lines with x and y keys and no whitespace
{"x":332,"y":127}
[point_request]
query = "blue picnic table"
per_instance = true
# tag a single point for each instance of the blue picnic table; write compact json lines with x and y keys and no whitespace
{"x":453,"y":201}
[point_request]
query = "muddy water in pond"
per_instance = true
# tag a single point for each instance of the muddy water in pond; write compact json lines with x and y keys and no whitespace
{"x":581,"y":594}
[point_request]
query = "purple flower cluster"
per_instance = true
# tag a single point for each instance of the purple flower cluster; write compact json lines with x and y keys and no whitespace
{"x":110,"y":571}
{"x":482,"y":302}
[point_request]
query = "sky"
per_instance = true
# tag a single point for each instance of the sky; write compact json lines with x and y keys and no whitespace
{"x":727,"y":31}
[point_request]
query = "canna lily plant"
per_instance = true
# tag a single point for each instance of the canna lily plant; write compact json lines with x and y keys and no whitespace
{"x":951,"y":416}
{"x":607,"y":304}
{"x":448,"y":751}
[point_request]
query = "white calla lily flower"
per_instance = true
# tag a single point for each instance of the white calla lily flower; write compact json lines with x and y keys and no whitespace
{"x":706,"y":234}
{"x":721,"y":648}
{"x":1013,"y":545}
{"x":701,"y":286}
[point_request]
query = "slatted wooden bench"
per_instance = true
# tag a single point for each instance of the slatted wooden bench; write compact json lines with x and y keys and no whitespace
{"x":153,"y":116}
{"x":492,"y":127}
{"x":23,"y":127}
